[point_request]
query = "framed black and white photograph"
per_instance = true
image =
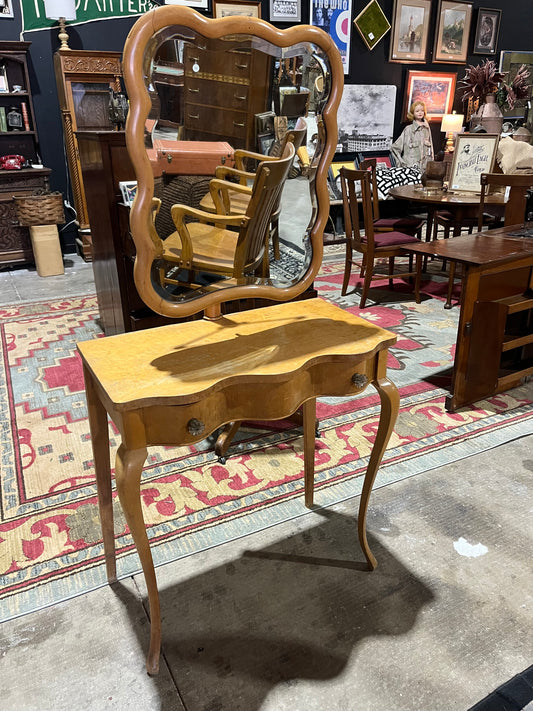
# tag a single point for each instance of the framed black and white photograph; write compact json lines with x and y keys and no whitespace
{"x":487,"y":30}
{"x":128,"y":188}
{"x":265,"y":142}
{"x":6,"y":8}
{"x":285,"y":11}
{"x":366,"y":118}
{"x":231,"y":8}
{"x":196,"y":4}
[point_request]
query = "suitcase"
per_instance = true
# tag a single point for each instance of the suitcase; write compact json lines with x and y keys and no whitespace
{"x":189,"y":157}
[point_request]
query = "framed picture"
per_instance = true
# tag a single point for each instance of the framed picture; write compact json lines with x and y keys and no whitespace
{"x":383,"y":158}
{"x":333,"y":177}
{"x":511,"y":62}
{"x":285,"y":11}
{"x":265,"y":142}
{"x":435,"y":89}
{"x":229,"y":8}
{"x":475,"y":153}
{"x":6,"y":8}
{"x":453,"y":30}
{"x":487,"y":30}
{"x":264,"y":123}
{"x":128,"y":188}
{"x":372,"y":24}
{"x":410,"y":29}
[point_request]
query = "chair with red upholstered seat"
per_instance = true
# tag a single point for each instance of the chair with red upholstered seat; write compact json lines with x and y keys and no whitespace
{"x":371,"y":245}
{"x":408,"y":225}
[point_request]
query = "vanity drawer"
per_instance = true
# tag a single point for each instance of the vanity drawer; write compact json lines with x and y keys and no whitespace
{"x":223,"y":122}
{"x":217,"y":93}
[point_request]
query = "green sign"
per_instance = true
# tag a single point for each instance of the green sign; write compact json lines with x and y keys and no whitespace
{"x":34,"y":18}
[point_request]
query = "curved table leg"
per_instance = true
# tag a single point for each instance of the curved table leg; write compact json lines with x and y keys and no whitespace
{"x":390,"y":402}
{"x":128,"y":470}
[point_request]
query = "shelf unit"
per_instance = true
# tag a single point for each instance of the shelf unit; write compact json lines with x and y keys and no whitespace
{"x":15,"y":242}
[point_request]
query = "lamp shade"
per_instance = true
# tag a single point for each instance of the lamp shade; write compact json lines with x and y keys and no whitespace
{"x":55,"y":9}
{"x":452,"y":123}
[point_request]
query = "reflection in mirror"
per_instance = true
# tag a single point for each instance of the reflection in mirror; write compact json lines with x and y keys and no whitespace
{"x":234,"y":136}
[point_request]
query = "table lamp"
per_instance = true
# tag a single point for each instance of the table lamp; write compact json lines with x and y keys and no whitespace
{"x":61,"y":10}
{"x":451,"y":125}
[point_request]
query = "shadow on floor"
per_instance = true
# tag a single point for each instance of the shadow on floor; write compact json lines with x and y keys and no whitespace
{"x":296,"y":610}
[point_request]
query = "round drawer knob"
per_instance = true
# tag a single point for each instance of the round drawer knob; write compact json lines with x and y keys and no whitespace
{"x":359,"y":380}
{"x":195,"y":427}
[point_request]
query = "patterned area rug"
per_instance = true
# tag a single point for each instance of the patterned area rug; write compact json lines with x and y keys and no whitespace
{"x":50,"y":544}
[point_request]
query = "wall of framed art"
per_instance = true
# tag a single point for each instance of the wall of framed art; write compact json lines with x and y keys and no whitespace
{"x":408,"y":45}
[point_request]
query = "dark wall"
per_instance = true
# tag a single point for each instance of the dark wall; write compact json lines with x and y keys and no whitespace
{"x":366,"y":67}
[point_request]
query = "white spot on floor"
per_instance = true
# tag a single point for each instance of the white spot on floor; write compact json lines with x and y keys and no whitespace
{"x":463,"y":547}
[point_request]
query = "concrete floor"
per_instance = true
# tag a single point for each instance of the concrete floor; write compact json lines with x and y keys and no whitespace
{"x":289,"y":619}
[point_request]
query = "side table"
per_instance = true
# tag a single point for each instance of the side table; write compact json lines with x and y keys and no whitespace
{"x":176,"y":384}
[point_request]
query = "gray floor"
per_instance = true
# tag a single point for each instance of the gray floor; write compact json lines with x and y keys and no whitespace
{"x":289,"y":619}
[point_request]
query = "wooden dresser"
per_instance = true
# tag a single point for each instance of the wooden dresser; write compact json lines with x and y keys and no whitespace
{"x":220,"y":98}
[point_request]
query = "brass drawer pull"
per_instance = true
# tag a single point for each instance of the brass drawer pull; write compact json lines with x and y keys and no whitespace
{"x":240,"y":98}
{"x":194,"y":91}
{"x":241,"y":66}
{"x":238,"y":125}
{"x":194,"y":116}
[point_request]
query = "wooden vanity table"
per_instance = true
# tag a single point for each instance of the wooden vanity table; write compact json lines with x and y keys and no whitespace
{"x":176,"y":384}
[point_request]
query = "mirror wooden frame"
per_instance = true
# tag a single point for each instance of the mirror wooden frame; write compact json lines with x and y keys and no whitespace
{"x":140,"y":37}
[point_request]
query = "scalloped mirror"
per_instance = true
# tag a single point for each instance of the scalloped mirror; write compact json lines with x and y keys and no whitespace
{"x":231,"y":129}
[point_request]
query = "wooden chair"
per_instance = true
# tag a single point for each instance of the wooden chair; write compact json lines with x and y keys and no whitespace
{"x":407,"y":225}
{"x":205,"y":244}
{"x":514,"y":210}
{"x":236,"y":201}
{"x":372,"y":245}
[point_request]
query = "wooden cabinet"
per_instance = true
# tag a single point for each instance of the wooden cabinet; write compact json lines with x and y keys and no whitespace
{"x":84,"y":79}
{"x":18,"y":136}
{"x":220,"y":97}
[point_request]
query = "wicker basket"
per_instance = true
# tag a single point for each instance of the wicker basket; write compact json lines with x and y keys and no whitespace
{"x":44,"y":209}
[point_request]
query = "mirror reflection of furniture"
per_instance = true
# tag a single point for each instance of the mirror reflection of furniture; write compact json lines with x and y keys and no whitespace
{"x":237,"y":200}
{"x":355,"y":185}
{"x":84,"y":78}
{"x":205,"y":241}
{"x":407,"y":225}
{"x":177,"y":384}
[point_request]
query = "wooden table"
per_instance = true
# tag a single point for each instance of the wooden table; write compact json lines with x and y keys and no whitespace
{"x":176,"y":384}
{"x":461,"y":204}
{"x":494,"y":349}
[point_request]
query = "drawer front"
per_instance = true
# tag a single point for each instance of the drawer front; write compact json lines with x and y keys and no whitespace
{"x":206,"y":62}
{"x":221,"y":122}
{"x":217,"y":93}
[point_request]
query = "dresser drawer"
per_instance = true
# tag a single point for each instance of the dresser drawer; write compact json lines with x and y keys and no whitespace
{"x":213,"y":119}
{"x":228,"y":63}
{"x":217,"y":93}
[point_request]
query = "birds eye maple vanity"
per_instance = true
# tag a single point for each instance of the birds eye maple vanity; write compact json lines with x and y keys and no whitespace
{"x":176,"y":384}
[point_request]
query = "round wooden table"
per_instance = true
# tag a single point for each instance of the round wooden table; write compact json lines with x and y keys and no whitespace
{"x":462,"y":205}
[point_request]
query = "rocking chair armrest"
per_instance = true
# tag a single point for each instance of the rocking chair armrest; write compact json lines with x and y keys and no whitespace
{"x":221,"y":171}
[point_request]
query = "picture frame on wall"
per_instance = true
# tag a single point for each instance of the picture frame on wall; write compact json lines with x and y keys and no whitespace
{"x":6,"y":9}
{"x":195,"y":4}
{"x":487,"y":31}
{"x":372,"y":24}
{"x":474,"y":153}
{"x":435,"y":89}
{"x":410,"y":30}
{"x":231,"y":8}
{"x":453,"y":31}
{"x":285,"y":11}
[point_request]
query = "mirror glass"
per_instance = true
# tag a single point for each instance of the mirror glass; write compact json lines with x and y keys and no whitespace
{"x":219,"y":108}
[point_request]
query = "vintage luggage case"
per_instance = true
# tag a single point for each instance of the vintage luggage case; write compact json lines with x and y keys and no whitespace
{"x":190,"y":157}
